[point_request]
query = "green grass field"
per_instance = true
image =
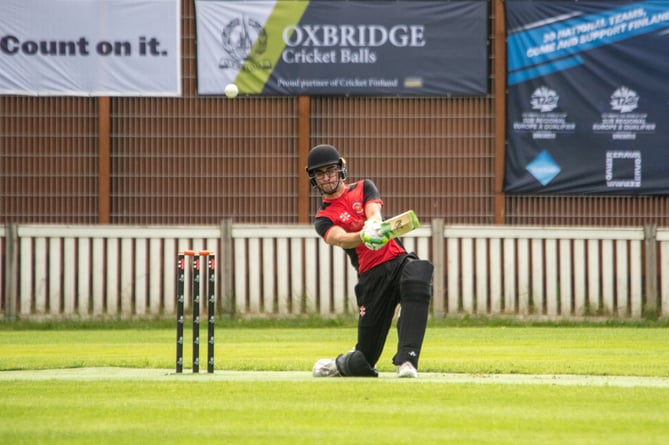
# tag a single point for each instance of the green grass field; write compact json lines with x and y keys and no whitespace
{"x":480,"y":383}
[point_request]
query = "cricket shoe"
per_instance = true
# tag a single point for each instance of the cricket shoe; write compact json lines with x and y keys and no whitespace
{"x":326,"y":367}
{"x":407,"y":370}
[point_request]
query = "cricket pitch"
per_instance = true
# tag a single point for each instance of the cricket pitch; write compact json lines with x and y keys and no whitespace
{"x":149,"y":374}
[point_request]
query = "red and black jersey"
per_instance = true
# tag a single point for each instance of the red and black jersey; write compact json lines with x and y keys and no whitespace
{"x":348,"y":212}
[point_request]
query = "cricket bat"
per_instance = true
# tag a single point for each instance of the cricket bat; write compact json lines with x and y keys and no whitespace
{"x":401,"y":224}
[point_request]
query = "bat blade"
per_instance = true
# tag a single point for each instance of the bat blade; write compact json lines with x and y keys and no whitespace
{"x":401,"y":224}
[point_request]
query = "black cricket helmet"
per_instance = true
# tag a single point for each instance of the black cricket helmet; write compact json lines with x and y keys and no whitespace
{"x":322,"y":155}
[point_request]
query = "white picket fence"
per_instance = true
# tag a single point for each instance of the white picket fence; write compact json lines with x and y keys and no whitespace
{"x":84,"y":272}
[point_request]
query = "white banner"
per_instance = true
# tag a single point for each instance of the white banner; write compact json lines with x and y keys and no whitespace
{"x":90,"y":47}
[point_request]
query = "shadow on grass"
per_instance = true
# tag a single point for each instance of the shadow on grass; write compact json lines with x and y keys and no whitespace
{"x":293,"y":322}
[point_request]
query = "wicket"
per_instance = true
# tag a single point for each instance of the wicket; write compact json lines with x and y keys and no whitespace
{"x":195,"y":290}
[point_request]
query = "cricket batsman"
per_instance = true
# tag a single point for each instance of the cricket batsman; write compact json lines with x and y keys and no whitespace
{"x":350,"y":217}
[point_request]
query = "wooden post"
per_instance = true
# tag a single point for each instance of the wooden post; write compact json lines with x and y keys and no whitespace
{"x":11,"y":283}
{"x":303,"y":146}
{"x":499,"y":92}
{"x":650,"y":239}
{"x":104,"y":163}
{"x":438,"y":281}
{"x":226,"y":269}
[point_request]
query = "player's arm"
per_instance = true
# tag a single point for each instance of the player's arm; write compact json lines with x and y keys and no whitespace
{"x":373,"y":211}
{"x":337,"y":236}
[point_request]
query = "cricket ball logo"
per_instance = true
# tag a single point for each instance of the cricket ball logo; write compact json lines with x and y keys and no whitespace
{"x":244,"y":41}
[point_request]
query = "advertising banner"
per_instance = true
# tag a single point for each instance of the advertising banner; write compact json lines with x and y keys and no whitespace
{"x":413,"y":48}
{"x":588,"y":97}
{"x":90,"y":47}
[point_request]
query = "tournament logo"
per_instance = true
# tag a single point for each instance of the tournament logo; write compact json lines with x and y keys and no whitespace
{"x":624,"y":123}
{"x":244,"y":41}
{"x":624,"y":100}
{"x":544,"y":100}
{"x":544,"y":122}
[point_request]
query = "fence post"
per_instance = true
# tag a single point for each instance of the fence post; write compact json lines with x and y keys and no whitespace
{"x":438,"y":307}
{"x":11,"y":283}
{"x":650,"y":240}
{"x":226,"y":268}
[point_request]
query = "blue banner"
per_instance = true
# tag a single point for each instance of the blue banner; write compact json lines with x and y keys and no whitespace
{"x":588,"y":97}
{"x":407,"y":48}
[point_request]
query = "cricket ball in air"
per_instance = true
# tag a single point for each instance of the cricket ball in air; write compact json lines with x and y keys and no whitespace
{"x":231,"y":90}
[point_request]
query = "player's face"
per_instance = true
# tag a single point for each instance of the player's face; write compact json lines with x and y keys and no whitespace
{"x":328,"y":178}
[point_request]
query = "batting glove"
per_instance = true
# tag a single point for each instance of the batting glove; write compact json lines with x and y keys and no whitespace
{"x":373,"y":235}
